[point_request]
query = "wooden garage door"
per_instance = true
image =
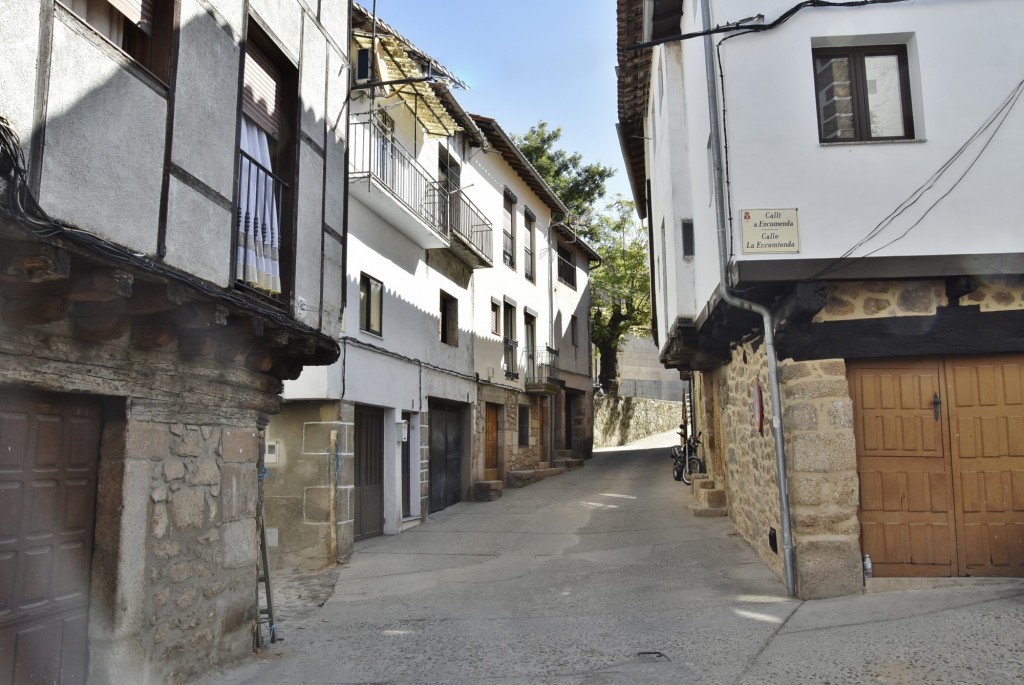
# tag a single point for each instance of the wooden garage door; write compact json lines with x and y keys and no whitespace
{"x":940,"y":452}
{"x":986,"y":414}
{"x":48,"y":452}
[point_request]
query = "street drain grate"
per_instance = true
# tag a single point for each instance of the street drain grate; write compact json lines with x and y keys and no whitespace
{"x":651,"y":657}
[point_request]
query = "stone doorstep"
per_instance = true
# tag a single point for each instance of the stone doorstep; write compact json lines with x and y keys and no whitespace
{"x":411,"y":522}
{"x":707,"y":512}
{"x":898,"y":584}
{"x":520,"y":479}
{"x":487,"y":490}
{"x":703,"y":484}
{"x":569,"y":463}
{"x":711,"y":498}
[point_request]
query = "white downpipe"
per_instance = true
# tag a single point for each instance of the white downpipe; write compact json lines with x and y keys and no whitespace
{"x":714,"y":111}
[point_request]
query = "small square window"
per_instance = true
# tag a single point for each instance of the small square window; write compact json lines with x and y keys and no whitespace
{"x":524,"y":425}
{"x":863,"y":93}
{"x":371,"y":295}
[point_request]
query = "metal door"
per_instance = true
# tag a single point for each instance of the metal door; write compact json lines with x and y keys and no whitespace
{"x":445,"y":455}
{"x":368,"y":493}
{"x":49,"y":447}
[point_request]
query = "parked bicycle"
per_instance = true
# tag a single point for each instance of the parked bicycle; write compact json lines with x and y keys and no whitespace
{"x":685,"y":461}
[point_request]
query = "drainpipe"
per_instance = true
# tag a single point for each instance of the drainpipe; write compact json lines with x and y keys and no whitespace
{"x":730,"y":298}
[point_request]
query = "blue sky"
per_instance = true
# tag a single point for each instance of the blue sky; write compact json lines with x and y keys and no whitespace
{"x":525,"y":61}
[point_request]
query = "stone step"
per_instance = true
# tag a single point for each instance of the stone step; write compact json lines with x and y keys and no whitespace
{"x":710,"y":498}
{"x":520,"y":479}
{"x":569,"y":463}
{"x":703,"y":484}
{"x":708,"y":512}
{"x":487,"y":490}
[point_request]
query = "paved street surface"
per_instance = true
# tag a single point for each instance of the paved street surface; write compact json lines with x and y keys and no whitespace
{"x":602,"y":576}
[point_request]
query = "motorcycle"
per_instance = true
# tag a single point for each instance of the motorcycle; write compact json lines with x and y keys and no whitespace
{"x":685,"y":461}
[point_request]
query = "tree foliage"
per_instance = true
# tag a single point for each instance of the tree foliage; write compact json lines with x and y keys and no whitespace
{"x":620,"y":287}
{"x":578,"y":185}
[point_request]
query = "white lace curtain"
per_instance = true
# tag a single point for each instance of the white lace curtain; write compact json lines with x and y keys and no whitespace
{"x":259,"y":227}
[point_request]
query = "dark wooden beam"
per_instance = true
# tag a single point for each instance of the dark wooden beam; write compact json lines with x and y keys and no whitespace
{"x":203,"y":315}
{"x":154,"y":298}
{"x":33,"y":263}
{"x":150,"y":335}
{"x":100,"y":321}
{"x":34,"y":311}
{"x":100,"y":285}
{"x":192,"y":344}
{"x":952,"y":330}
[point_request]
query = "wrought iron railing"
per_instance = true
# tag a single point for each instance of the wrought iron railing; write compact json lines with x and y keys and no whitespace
{"x":542,"y":365}
{"x":567,"y":272}
{"x":461,"y":216}
{"x":258,"y":224}
{"x":374,"y":152}
{"x":528,"y":263}
{"x":511,"y":358}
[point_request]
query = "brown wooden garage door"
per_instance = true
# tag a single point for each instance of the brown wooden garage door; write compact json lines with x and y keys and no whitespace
{"x":940,"y":452}
{"x":48,"y":452}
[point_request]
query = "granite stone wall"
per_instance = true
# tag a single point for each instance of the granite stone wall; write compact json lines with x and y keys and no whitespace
{"x":622,"y":420}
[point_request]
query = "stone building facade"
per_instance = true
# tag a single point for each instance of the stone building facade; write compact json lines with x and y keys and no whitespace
{"x":143,"y":348}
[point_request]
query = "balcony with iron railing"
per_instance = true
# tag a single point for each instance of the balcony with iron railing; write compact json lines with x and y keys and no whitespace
{"x":541,"y":369}
{"x":511,"y":358}
{"x":471,"y":233}
{"x":259,"y":268}
{"x":388,"y":179}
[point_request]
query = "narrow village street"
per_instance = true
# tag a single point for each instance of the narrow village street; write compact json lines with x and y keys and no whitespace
{"x":603,"y":576}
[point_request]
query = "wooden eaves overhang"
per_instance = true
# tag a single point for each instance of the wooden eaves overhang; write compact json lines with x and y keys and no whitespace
{"x":500,"y":142}
{"x":633,"y":76}
{"x":103,"y":292}
{"x":403,"y":61}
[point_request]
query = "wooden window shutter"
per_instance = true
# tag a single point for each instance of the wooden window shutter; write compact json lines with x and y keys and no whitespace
{"x":138,"y":12}
{"x":261,"y":83}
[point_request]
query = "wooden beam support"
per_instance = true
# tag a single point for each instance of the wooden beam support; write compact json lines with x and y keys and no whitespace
{"x":148,"y":336}
{"x":276,"y":337}
{"x":259,"y":361}
{"x":194,"y":345}
{"x":33,"y":263}
{"x":100,"y":321}
{"x":203,"y":315}
{"x":101,"y":285}
{"x":34,"y":311}
{"x":154,"y":298}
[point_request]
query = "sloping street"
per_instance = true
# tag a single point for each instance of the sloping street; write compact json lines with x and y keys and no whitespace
{"x":603,"y":576}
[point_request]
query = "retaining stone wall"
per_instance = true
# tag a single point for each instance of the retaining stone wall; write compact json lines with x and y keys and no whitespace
{"x":621,"y":420}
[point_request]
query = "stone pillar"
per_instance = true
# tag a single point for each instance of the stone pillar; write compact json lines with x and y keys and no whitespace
{"x":823,"y":483}
{"x":175,"y":555}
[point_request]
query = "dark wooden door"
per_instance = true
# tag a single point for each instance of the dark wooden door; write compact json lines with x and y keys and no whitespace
{"x":570,"y":411}
{"x":49,"y":448}
{"x":445,"y":455}
{"x":491,"y":418}
{"x":368,"y":493}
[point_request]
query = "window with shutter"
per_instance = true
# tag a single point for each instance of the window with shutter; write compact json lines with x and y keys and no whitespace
{"x":141,"y":28}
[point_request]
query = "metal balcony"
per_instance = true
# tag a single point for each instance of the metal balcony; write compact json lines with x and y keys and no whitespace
{"x":542,"y":377}
{"x":387,"y":178}
{"x":471,"y":233}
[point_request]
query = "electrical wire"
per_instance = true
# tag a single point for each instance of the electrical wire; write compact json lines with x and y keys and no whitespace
{"x":993,"y":123}
{"x":26,"y":211}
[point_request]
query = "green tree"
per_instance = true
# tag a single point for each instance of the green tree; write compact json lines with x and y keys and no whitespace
{"x":578,"y":185}
{"x":620,"y":287}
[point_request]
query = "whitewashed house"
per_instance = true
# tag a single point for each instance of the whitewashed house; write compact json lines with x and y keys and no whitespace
{"x":163,"y":234}
{"x":859,"y":189}
{"x":396,"y":429}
